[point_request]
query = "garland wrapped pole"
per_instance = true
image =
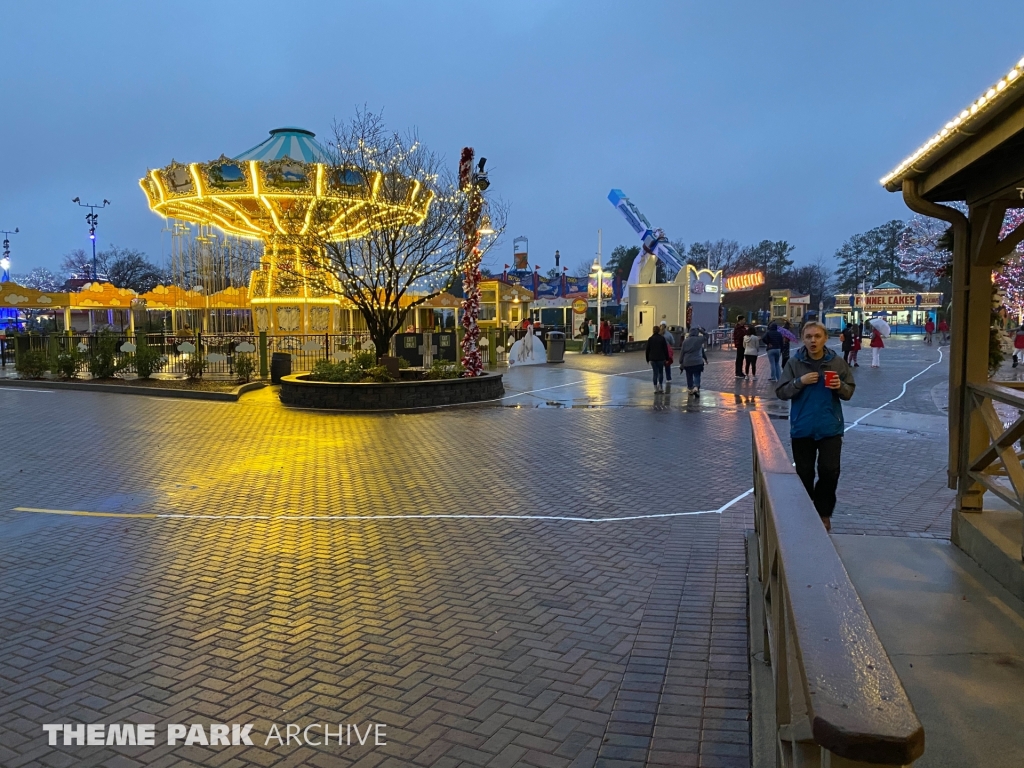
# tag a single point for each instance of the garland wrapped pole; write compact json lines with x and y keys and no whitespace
{"x":473,"y":185}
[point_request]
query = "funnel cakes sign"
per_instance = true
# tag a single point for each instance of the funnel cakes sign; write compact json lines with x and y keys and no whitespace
{"x":888,"y":299}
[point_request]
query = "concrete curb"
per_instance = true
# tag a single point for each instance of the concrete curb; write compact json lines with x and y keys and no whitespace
{"x":126,"y":389}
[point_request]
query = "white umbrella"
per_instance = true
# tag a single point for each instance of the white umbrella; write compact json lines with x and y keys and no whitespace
{"x":881,"y":326}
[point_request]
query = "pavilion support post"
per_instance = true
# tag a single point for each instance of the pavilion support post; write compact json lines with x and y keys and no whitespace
{"x":984,"y":252}
{"x":67,"y":320}
{"x":958,"y":315}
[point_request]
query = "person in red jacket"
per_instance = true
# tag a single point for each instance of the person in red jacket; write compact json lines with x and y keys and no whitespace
{"x":876,"y":347}
{"x":1018,"y":345}
{"x":740,"y":332}
{"x":605,"y":335}
{"x":944,"y":330}
{"x":929,"y":331}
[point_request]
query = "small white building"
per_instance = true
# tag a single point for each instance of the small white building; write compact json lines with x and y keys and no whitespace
{"x":694,"y":298}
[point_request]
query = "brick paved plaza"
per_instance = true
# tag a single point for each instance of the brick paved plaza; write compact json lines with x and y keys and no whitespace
{"x":263,"y":565}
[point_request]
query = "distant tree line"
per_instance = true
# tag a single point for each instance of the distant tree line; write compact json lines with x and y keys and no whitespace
{"x":122,"y":267}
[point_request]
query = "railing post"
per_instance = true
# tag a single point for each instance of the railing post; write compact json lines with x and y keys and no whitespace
{"x":264,"y":367}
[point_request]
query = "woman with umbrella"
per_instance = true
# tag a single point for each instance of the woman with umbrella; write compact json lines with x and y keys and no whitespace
{"x":879,"y":328}
{"x":787,"y":336}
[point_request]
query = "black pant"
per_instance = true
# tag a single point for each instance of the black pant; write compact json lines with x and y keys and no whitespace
{"x":827,"y":452}
{"x":751,"y":361}
{"x":739,"y":359}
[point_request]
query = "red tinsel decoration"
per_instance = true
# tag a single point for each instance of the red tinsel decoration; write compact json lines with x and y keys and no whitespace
{"x":472,"y":360}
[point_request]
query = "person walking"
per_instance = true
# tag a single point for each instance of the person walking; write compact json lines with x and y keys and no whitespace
{"x":1018,"y":346}
{"x":585,"y":335}
{"x":929,"y":331}
{"x":773,"y":341}
{"x":785,"y":342}
{"x":751,"y":349}
{"x":592,"y":338}
{"x":739,"y":333}
{"x":692,"y":358}
{"x":671,"y":341}
{"x":944,"y":330}
{"x":816,"y":381}
{"x":657,"y":353}
{"x":606,"y":337}
{"x":855,"y":347}
{"x":877,"y":345}
{"x":847,"y":338}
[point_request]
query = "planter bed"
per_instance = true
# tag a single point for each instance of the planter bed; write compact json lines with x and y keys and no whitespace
{"x":300,"y":391}
{"x":200,"y":390}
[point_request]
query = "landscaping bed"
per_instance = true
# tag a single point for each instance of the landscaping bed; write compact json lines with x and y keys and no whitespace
{"x":203,"y":389}
{"x":301,"y":391}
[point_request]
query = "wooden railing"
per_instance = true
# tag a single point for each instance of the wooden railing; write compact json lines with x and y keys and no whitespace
{"x":988,"y":456}
{"x":838,"y":700}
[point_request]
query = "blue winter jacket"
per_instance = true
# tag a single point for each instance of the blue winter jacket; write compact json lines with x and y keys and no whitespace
{"x":816,"y":411}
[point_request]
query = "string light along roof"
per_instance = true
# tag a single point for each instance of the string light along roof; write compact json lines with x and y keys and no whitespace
{"x":269,"y":193}
{"x":958,"y":128}
{"x":295,"y":143}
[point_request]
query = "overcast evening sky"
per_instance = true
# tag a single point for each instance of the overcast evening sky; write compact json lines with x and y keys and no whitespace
{"x":744,"y":120}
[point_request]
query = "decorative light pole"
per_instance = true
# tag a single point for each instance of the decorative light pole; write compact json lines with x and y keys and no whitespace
{"x":596,"y":269}
{"x":5,"y":260}
{"x":92,"y":219}
{"x":473,"y":183}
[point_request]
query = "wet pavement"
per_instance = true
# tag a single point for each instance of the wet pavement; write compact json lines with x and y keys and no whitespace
{"x":552,"y":579}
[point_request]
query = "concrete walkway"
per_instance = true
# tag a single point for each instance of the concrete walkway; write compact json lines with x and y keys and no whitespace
{"x":956,"y":639}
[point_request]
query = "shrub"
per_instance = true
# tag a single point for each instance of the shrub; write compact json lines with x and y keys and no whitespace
{"x":145,"y":360}
{"x":403,"y":364}
{"x":103,"y":362}
{"x":378,"y":374}
{"x":194,"y":367}
{"x":67,"y":364}
{"x":445,"y":369}
{"x":365,"y":360}
{"x":245,"y":366}
{"x":31,"y":364}
{"x":328,"y":370}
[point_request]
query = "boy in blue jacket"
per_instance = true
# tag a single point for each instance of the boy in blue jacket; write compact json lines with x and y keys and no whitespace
{"x":816,"y":415}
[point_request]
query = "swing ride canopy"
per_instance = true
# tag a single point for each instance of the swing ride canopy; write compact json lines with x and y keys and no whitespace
{"x":285,"y":187}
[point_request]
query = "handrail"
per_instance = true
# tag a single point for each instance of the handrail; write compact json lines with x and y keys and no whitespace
{"x":836,"y":690}
{"x":996,"y":467}
{"x":998,"y":391}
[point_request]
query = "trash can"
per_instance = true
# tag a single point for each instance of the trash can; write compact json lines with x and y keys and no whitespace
{"x":556,"y":347}
{"x":280,"y":365}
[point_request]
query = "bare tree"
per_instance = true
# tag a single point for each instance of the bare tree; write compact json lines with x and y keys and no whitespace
{"x":714,"y":255}
{"x":78,"y":262}
{"x":399,"y":261}
{"x":130,"y":268}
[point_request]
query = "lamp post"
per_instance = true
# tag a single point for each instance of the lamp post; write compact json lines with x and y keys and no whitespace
{"x":5,"y":261}
{"x":92,"y":219}
{"x":596,"y":270}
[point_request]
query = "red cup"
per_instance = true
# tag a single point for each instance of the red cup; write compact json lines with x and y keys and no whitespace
{"x":830,"y":378}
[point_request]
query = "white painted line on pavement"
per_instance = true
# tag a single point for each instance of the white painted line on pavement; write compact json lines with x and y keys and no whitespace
{"x":358,"y":518}
{"x":901,"y":394}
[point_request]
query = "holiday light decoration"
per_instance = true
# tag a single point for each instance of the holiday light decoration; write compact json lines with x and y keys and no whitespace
{"x":961,"y":122}
{"x":1009,"y":278}
{"x":470,"y":183}
{"x":921,"y":249}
